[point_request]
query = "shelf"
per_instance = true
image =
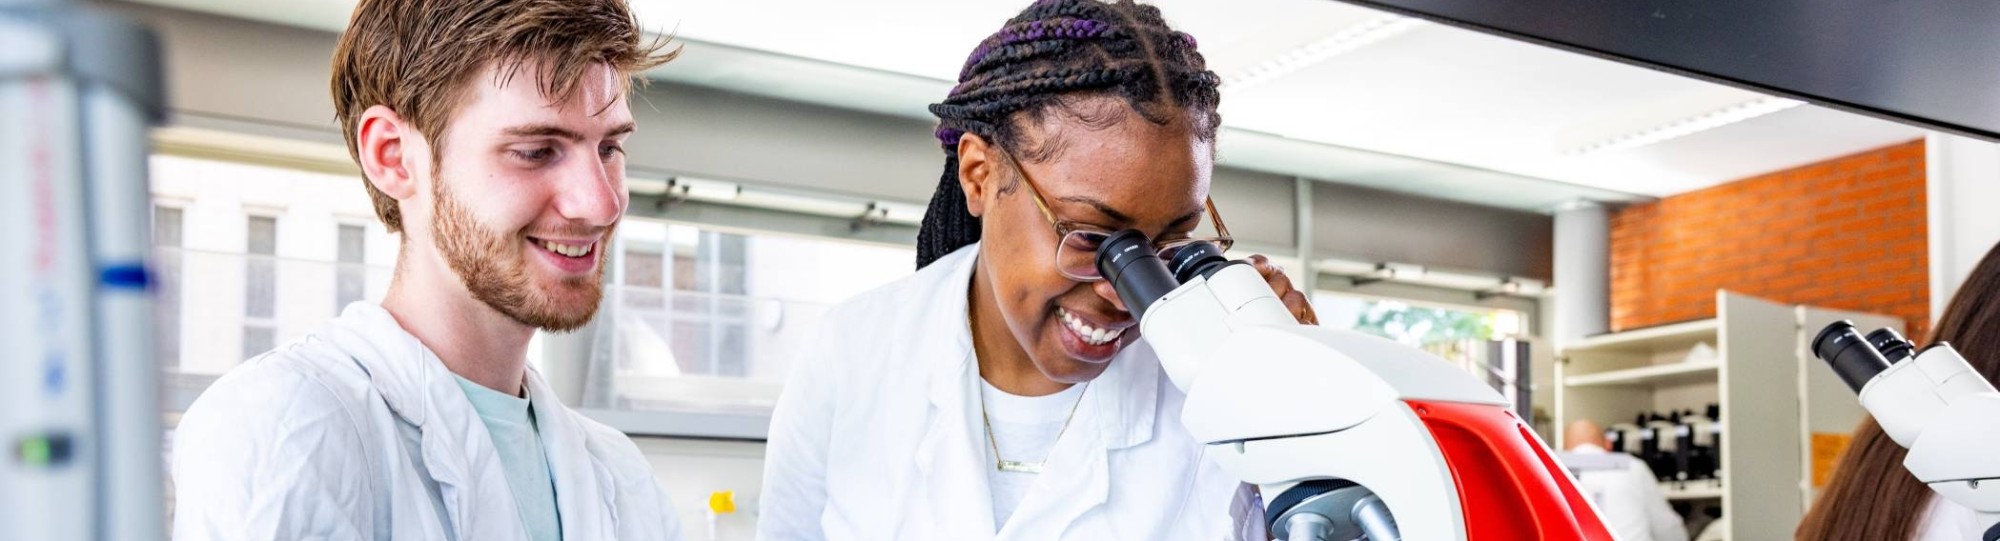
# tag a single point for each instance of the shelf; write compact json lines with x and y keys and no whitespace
{"x":1655,"y":375}
{"x":1676,"y":336}
{"x":1692,"y":490}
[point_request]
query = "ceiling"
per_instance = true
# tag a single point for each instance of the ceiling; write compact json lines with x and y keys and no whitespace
{"x":1413,"y":106}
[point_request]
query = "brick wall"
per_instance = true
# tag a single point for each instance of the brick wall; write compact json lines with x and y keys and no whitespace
{"x":1844,"y":233}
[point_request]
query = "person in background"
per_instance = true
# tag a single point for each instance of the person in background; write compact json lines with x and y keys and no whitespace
{"x":1001,"y":392}
{"x":490,"y":134}
{"x":1871,"y":497}
{"x":1622,"y":487}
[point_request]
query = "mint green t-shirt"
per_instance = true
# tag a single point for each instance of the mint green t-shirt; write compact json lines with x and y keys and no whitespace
{"x":511,"y":421}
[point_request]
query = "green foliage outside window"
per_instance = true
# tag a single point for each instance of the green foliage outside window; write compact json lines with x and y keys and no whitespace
{"x":1419,"y":325}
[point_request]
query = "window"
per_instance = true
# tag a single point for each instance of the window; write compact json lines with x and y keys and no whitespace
{"x":260,"y":286}
{"x":1416,"y":324}
{"x":167,"y":224}
{"x":251,"y":256}
{"x":351,"y":273}
{"x":712,"y":274}
{"x":711,"y":319}
{"x":1482,"y":341}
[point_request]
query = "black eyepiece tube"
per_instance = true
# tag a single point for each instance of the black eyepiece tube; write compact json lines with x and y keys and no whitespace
{"x":1893,"y":346}
{"x":1127,"y":260}
{"x":1199,"y":258}
{"x":1851,"y":357}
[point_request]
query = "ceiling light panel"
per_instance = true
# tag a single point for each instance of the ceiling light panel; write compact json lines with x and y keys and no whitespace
{"x":1347,"y":40}
{"x":1689,"y":126}
{"x":916,"y":37}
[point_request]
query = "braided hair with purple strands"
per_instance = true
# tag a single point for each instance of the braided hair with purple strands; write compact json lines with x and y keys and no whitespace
{"x":1050,"y":54}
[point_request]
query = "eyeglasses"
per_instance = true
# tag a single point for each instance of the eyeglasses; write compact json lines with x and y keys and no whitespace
{"x":1076,"y":254}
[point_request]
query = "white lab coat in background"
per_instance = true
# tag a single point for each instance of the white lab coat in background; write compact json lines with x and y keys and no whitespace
{"x":1627,"y":495}
{"x":878,"y":437}
{"x":359,"y":432}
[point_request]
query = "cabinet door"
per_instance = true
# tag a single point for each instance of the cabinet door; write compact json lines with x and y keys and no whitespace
{"x":1829,"y":408}
{"x":1760,"y":416}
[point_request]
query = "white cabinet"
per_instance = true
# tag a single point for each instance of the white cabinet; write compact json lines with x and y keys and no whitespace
{"x":1773,"y":394}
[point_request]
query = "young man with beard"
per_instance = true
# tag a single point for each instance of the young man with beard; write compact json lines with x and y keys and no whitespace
{"x":490,"y":134}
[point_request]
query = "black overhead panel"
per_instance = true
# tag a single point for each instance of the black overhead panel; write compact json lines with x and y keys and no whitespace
{"x":1930,"y":63}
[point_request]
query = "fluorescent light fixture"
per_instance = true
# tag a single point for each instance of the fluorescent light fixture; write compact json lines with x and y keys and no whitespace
{"x":1465,"y":281}
{"x":1532,"y":287}
{"x":1688,"y":126}
{"x":647,"y":186}
{"x":1399,"y":271}
{"x":779,"y":199}
{"x":1349,"y":39}
{"x":800,"y":203}
{"x":1512,"y":287}
{"x":902,"y":213}
{"x":704,"y":190}
{"x":1485,"y":285}
{"x":1344,"y":267}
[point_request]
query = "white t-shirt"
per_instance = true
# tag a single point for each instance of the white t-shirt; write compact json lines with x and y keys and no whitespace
{"x":1025,"y":428}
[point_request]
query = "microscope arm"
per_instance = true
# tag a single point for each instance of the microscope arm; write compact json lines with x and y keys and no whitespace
{"x":1281,"y":404}
{"x":1933,"y":404}
{"x":1956,"y":456}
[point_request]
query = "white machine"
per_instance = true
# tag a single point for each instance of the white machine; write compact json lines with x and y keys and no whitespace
{"x":79,"y":412}
{"x":1350,"y":436}
{"x":1933,"y":404}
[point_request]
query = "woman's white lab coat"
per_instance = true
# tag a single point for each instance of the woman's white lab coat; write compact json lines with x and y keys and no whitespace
{"x":359,"y":432}
{"x":1947,"y":521}
{"x":878,"y":436}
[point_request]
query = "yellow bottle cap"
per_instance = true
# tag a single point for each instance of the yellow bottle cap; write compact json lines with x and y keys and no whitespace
{"x":722,"y":502}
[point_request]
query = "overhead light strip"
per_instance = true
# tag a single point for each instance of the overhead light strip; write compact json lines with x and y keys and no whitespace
{"x":1362,"y":273}
{"x":1353,"y":37}
{"x":1688,"y":126}
{"x":797,"y":202}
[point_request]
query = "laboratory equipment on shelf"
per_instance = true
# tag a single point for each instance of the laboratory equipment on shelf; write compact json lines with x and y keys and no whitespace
{"x":1677,"y":445}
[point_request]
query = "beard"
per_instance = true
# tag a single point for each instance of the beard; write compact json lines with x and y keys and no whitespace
{"x":494,"y":268}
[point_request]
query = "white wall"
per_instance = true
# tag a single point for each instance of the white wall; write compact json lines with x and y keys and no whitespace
{"x":1964,"y":185}
{"x":691,"y":470}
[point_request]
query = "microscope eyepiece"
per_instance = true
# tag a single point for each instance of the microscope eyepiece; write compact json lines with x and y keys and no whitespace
{"x":1893,"y":346}
{"x":1852,"y":357}
{"x":1129,"y":262}
{"x":1199,"y":258}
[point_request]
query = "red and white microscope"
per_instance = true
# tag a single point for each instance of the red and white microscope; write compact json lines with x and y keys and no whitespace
{"x":1358,"y":437}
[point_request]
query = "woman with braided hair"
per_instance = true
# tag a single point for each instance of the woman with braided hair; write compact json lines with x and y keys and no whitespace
{"x":1001,"y":392}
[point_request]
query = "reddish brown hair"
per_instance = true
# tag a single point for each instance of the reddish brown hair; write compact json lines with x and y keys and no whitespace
{"x":1871,"y":496}
{"x":417,"y":57}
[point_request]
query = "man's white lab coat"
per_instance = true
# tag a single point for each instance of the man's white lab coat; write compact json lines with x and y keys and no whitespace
{"x":878,"y":437}
{"x":359,"y":432}
{"x":1628,"y":496}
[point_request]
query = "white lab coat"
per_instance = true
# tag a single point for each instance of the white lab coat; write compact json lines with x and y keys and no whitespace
{"x":878,"y":437}
{"x":359,"y":432}
{"x":1627,"y":495}
{"x":1947,"y":521}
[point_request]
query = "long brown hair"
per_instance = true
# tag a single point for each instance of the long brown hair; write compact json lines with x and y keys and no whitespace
{"x":1871,"y":496}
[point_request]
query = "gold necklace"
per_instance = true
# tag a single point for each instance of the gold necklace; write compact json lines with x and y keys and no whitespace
{"x":1017,"y":466}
